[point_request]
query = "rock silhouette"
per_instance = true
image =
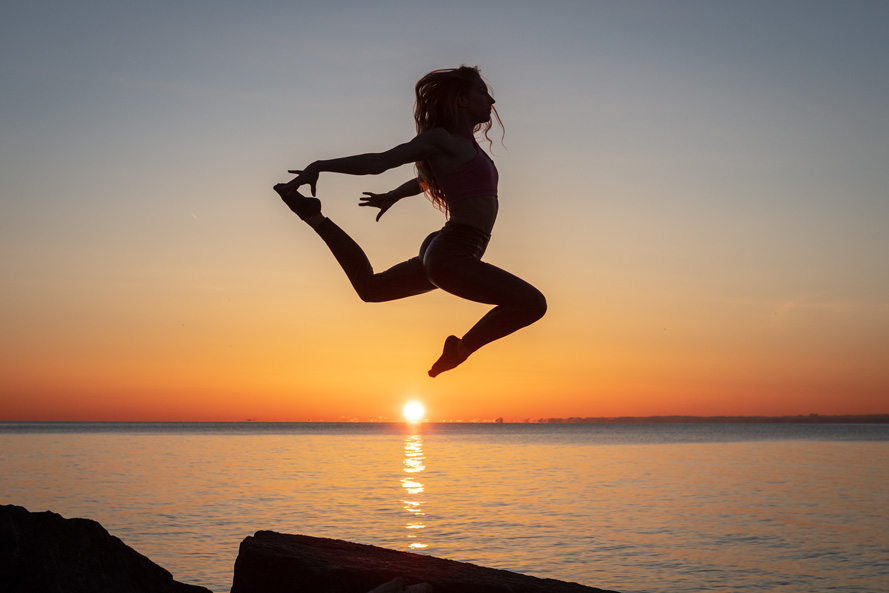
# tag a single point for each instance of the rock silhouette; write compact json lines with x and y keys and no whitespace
{"x":46,"y":553}
{"x":270,"y":562}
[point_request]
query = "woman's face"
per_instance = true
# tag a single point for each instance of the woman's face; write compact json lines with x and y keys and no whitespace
{"x":478,"y":102}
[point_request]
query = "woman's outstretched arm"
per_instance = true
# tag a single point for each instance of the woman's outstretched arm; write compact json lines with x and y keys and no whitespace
{"x":425,"y":146}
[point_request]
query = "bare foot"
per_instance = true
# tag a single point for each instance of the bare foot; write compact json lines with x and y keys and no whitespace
{"x":304,"y":207}
{"x":450,"y":357}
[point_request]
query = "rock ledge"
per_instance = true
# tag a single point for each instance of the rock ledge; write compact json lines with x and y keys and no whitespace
{"x":46,"y":553}
{"x":270,"y":562}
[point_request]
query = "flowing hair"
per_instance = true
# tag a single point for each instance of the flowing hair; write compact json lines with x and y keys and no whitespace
{"x":436,"y":107}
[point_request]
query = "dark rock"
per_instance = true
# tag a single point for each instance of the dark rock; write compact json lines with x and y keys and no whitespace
{"x":272,"y":562}
{"x":399,"y":585}
{"x":46,"y":553}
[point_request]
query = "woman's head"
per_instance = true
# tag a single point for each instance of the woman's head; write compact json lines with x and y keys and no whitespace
{"x":441,"y":99}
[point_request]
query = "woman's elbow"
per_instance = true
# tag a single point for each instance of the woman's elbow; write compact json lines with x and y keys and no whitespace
{"x":378,"y":167}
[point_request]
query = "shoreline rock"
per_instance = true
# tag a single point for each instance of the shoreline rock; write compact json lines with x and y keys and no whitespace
{"x":270,"y":562}
{"x":46,"y":553}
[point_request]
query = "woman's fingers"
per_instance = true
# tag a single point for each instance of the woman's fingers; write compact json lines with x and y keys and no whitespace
{"x":381,"y":213}
{"x":295,"y":183}
{"x":375,"y":201}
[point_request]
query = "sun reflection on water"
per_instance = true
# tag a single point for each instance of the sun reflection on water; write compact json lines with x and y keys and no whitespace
{"x":414,"y":489}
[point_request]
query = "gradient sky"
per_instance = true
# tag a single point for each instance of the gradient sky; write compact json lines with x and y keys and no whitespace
{"x":700,"y":188}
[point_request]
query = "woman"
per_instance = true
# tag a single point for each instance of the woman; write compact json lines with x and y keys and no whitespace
{"x":461,"y":180}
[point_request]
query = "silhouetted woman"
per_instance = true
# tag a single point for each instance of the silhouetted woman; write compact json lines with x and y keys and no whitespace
{"x":461,"y":180}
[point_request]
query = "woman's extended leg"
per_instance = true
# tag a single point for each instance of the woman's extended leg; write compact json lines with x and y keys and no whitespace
{"x":401,"y":280}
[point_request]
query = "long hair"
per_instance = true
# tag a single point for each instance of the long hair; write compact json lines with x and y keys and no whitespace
{"x":436,"y":107}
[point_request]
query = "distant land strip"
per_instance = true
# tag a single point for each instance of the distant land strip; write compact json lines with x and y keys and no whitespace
{"x":801,"y":419}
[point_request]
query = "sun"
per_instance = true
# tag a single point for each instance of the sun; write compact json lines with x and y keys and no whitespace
{"x":413,"y":411}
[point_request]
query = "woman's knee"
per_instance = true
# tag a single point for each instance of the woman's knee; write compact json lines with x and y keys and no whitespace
{"x":369,"y":295}
{"x":536,"y":305}
{"x":396,"y":283}
{"x":376,"y":291}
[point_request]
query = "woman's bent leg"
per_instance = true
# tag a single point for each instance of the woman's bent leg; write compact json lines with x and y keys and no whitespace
{"x":453,"y":263}
{"x":401,"y":280}
{"x":518,"y":303}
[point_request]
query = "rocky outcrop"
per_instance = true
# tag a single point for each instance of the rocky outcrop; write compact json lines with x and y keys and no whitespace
{"x":46,"y":553}
{"x":271,"y":562}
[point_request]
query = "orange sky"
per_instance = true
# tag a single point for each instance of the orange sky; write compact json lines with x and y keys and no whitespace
{"x":704,"y":214}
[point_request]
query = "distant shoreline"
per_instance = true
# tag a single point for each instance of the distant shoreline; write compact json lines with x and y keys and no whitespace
{"x":798,"y":419}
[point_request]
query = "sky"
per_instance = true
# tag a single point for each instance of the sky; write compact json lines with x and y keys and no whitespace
{"x":700,"y":189}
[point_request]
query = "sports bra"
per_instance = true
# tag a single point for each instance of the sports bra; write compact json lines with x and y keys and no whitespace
{"x":475,"y":178}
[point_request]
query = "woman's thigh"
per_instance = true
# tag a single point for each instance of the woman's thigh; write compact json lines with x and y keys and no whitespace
{"x":481,"y":282}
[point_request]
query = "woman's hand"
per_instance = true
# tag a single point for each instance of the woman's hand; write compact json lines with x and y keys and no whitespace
{"x":381,"y":201}
{"x":307,"y":176}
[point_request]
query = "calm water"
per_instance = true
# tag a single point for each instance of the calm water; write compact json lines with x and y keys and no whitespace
{"x":635,"y":508}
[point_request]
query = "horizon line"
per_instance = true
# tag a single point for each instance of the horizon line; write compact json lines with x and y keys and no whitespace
{"x":656,"y":419}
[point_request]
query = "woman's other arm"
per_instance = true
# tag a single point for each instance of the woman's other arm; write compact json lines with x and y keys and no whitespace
{"x":388,"y":199}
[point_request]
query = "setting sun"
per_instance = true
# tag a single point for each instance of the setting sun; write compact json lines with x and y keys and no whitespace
{"x":413,"y":411}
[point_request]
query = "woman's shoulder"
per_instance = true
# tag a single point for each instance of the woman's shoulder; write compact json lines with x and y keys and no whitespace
{"x":445,"y":141}
{"x":438,"y":136}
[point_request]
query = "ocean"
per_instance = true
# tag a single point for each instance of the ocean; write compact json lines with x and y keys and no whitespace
{"x":653,"y":508}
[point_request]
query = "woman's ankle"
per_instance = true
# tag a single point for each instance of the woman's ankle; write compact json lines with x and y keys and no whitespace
{"x":452,"y":356}
{"x":315,"y":220}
